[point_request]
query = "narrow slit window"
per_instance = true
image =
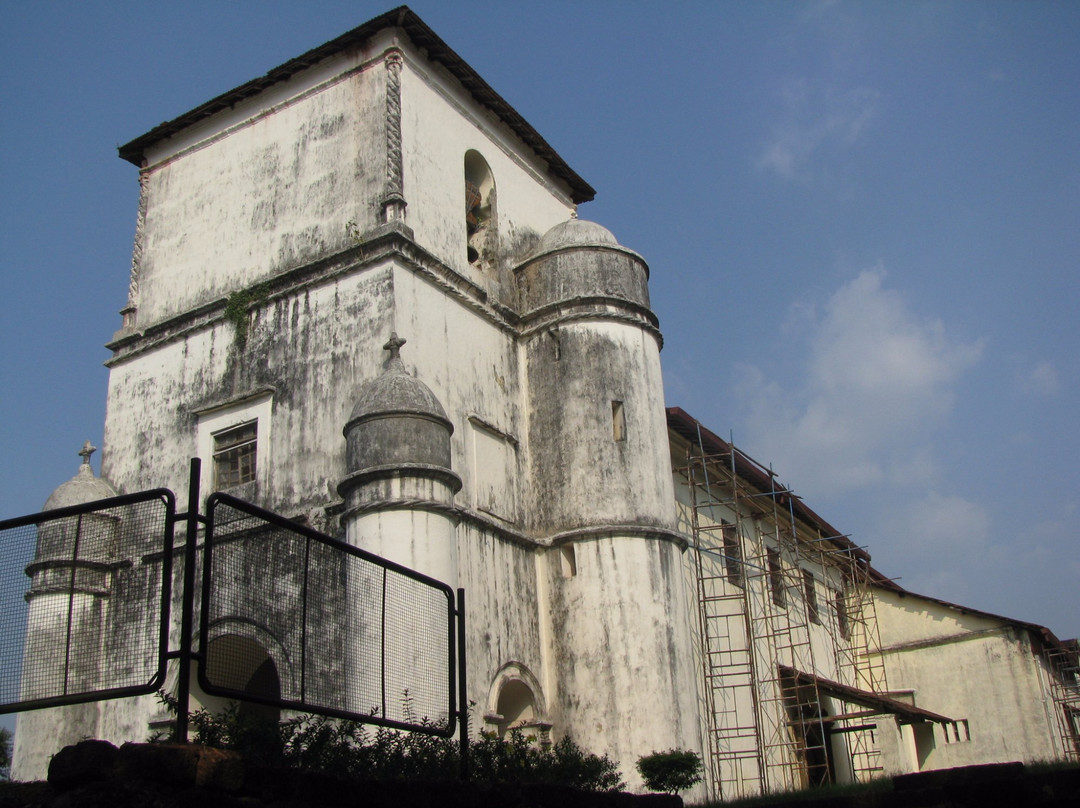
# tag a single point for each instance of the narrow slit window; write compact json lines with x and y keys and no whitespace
{"x":568,"y":559}
{"x":810,"y":595}
{"x":235,"y":455}
{"x":618,"y":421}
{"x":776,"y":577}
{"x":840,"y":606}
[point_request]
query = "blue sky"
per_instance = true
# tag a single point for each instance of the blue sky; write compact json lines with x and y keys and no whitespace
{"x":862,"y":220}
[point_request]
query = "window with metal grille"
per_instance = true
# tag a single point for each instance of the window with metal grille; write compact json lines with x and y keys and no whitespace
{"x":234,"y":455}
{"x":733,"y":562}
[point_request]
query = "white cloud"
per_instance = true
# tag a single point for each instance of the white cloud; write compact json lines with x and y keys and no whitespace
{"x":815,"y":121}
{"x":1042,"y":379}
{"x":878,"y":381}
{"x":946,"y":524}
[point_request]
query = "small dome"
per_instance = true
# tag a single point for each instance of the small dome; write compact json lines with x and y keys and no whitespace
{"x":576,"y":233}
{"x":82,"y":488}
{"x":397,"y":422}
{"x":395,"y":392}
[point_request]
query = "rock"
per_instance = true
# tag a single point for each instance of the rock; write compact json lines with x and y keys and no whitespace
{"x":86,"y":762}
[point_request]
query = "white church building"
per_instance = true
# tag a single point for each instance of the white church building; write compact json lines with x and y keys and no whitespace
{"x":362,"y":295}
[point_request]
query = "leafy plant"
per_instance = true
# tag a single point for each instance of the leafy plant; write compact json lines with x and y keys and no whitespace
{"x":672,"y":771}
{"x":519,"y":759}
{"x":237,"y":307}
{"x":351,"y":749}
{"x":5,"y":754}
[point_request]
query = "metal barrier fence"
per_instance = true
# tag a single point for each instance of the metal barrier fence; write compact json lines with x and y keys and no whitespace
{"x":289,"y":617}
{"x":70,"y":579}
{"x":295,"y":619}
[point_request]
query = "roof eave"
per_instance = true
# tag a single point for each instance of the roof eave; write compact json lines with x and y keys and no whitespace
{"x":421,"y":35}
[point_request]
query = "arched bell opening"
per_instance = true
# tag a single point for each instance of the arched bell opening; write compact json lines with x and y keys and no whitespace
{"x":480,"y":209}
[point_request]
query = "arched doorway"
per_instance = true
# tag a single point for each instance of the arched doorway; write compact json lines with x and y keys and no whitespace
{"x":240,"y":663}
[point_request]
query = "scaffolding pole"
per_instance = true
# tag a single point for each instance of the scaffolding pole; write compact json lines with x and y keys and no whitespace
{"x":769,"y":589}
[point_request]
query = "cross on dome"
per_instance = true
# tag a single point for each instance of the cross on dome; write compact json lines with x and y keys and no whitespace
{"x":87,"y":450}
{"x":393,"y":345}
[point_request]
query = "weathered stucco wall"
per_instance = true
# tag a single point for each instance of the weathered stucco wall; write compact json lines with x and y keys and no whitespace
{"x":265,"y":188}
{"x":440,"y":124}
{"x":309,"y":351}
{"x":970,"y":668}
{"x":619,"y":648}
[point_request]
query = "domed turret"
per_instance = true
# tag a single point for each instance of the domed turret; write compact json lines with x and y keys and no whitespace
{"x":575,"y":233}
{"x":397,"y":421}
{"x":82,"y":488}
{"x":100,"y":529}
{"x":581,"y":262}
{"x":72,"y":578}
{"x":399,"y":487}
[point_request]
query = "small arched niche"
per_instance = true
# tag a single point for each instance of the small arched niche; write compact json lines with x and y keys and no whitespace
{"x":516,"y":702}
{"x":480,"y":209}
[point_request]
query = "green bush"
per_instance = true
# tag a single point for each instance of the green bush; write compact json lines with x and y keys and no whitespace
{"x":672,"y":771}
{"x":5,"y":754}
{"x":352,"y":749}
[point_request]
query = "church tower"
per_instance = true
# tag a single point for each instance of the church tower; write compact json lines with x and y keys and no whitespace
{"x":377,"y":186}
{"x":68,"y":609}
{"x":601,"y":493}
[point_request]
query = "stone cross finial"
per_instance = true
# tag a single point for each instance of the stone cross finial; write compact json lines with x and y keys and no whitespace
{"x":87,"y":450}
{"x":393,"y":345}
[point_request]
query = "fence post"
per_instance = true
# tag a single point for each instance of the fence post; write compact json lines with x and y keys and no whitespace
{"x":187,"y":604}
{"x":463,"y":690}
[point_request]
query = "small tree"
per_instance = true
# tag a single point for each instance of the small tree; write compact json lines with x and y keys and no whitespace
{"x":672,"y":771}
{"x":5,"y":754}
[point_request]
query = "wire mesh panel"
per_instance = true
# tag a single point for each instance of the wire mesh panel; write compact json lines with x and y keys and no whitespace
{"x":296,"y":619}
{"x":83,"y":596}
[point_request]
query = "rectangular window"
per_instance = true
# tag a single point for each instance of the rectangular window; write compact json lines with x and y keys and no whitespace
{"x":234,"y":455}
{"x":776,"y":577}
{"x":810,"y":595}
{"x":840,"y":607}
{"x":733,"y":565}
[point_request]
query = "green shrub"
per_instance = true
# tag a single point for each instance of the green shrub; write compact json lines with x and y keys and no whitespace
{"x":5,"y":754}
{"x":351,"y":749}
{"x":672,"y":771}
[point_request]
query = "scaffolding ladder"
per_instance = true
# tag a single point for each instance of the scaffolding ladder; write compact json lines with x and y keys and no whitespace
{"x":793,"y":727}
{"x":1064,"y":670}
{"x":736,"y":766}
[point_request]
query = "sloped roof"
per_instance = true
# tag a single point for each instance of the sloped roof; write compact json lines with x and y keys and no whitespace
{"x":876,"y":702}
{"x":1044,"y":635}
{"x":422,"y":36}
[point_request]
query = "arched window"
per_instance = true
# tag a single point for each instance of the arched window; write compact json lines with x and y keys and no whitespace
{"x":480,"y":211}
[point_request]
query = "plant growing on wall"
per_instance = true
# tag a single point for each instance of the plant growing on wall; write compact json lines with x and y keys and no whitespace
{"x":672,"y":771}
{"x":237,"y":308}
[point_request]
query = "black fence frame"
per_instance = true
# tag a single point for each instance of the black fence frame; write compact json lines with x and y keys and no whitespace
{"x":158,"y":680}
{"x":186,"y":654}
{"x":454,"y":613}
